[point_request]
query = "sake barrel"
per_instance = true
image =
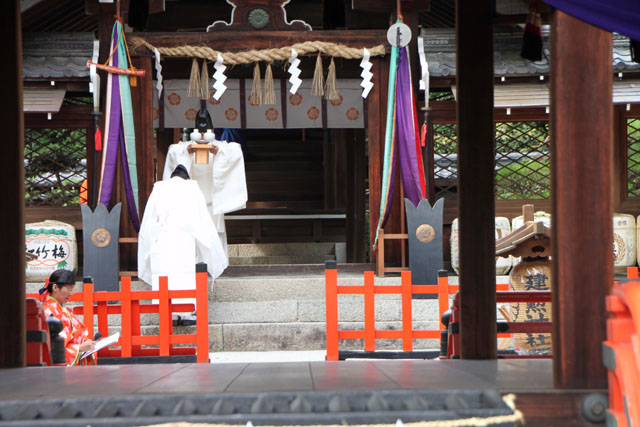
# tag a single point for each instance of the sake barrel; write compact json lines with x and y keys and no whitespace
{"x":503,"y":264}
{"x":624,"y":242}
{"x":54,"y":245}
{"x":543,"y":216}
{"x":531,"y":276}
{"x":503,"y":228}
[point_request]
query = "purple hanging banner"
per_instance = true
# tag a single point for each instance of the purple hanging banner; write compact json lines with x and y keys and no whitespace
{"x":620,"y":16}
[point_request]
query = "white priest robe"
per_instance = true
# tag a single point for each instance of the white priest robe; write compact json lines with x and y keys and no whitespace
{"x":176,"y":227}
{"x":222,"y":179}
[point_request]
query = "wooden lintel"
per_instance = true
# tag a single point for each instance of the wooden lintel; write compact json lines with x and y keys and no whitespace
{"x":386,"y":6}
{"x":247,"y":40}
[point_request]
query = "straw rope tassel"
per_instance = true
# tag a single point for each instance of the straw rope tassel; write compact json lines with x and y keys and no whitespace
{"x":269,"y":97}
{"x":256,"y":87}
{"x":331,"y":89}
{"x":194,"y":80}
{"x":204,"y":81}
{"x":317,"y":87}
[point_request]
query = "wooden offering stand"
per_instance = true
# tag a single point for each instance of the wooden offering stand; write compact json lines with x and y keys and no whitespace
{"x":202,"y":150}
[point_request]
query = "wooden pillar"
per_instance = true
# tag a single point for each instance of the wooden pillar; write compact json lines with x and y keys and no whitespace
{"x":476,"y":205}
{"x":145,"y":142}
{"x":12,"y":304}
{"x":581,"y":153}
{"x":376,"y":110}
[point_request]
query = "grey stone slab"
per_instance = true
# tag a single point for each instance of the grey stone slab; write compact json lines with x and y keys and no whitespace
{"x":267,"y":289}
{"x":197,"y":378}
{"x":350,"y":310}
{"x":339,"y":376}
{"x":389,"y":344}
{"x":432,"y":375}
{"x":273,"y":336}
{"x":254,"y":312}
{"x":273,"y":377}
{"x":216,"y":342}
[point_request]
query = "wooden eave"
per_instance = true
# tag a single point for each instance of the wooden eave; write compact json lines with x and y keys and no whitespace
{"x":255,"y":40}
{"x":534,"y":230}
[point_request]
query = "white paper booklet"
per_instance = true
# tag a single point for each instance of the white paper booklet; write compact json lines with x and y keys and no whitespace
{"x":104,"y":342}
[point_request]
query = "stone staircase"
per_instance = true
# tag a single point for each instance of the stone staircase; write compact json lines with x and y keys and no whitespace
{"x":280,"y":313}
{"x":285,"y":253}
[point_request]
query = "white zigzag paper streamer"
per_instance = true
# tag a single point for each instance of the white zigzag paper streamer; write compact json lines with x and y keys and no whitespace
{"x":295,"y":80}
{"x":158,"y":72}
{"x":424,"y":70}
{"x":366,"y":73}
{"x":220,"y":78}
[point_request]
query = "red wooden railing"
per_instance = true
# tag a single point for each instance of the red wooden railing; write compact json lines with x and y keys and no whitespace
{"x":621,"y":351}
{"x":129,"y":305}
{"x":407,"y":334}
{"x":513,"y":327}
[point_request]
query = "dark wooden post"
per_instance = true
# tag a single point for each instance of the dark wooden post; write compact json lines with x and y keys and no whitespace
{"x":582,"y":232}
{"x":476,"y":206}
{"x":12,"y":305}
{"x":376,"y":107}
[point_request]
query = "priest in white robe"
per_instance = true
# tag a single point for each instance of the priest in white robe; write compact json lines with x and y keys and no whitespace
{"x":222,"y":179}
{"x":176,"y":233}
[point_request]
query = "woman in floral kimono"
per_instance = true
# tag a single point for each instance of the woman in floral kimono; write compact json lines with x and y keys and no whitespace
{"x":76,"y":336}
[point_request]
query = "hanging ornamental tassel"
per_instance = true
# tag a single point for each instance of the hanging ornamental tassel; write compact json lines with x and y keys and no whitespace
{"x":269,"y":97}
{"x":194,"y":80}
{"x":532,"y":37}
{"x":256,"y":90}
{"x":204,"y":81}
{"x":317,"y":87}
{"x":330,"y":89}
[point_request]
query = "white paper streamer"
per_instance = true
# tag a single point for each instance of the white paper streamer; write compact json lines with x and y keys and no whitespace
{"x":158,"y":72}
{"x":220,"y":78}
{"x":295,"y":80}
{"x":366,"y":73}
{"x":424,"y":68}
{"x":94,"y":77}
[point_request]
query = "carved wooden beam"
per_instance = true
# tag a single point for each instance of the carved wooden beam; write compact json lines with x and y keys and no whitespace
{"x":386,"y":6}
{"x":241,"y":40}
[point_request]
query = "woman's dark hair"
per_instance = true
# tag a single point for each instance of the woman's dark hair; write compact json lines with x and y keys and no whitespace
{"x":180,"y":171}
{"x":61,"y":277}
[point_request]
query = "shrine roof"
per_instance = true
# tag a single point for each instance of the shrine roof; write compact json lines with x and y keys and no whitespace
{"x":440,"y":49}
{"x":56,"y":55}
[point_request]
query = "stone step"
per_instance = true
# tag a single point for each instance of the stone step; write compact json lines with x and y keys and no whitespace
{"x":280,"y":259}
{"x":350,"y":309}
{"x":281,"y":249}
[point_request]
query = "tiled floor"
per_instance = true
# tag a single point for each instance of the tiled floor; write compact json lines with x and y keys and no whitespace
{"x":58,"y":382}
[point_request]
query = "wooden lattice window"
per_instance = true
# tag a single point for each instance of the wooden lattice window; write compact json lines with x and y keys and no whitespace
{"x":55,"y":166}
{"x":522,"y":161}
{"x":523,"y":166}
{"x":633,"y":157}
{"x":445,"y":161}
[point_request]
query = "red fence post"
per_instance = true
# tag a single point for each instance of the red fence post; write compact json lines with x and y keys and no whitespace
{"x":443,"y":294}
{"x":87,"y":306}
{"x":369,"y":312}
{"x":125,"y":317}
{"x":331,"y":307}
{"x":164,"y":315}
{"x":202,"y":317}
{"x":407,"y":312}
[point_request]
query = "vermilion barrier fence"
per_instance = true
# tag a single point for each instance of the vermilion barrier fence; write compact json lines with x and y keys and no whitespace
{"x":407,"y":334}
{"x":621,"y":353}
{"x":129,"y":305}
{"x":505,"y":329}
